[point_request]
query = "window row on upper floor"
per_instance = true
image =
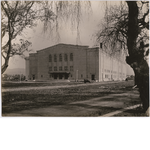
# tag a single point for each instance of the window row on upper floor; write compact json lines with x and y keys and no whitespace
{"x":60,"y":57}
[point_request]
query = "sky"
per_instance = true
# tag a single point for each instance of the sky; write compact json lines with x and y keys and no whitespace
{"x":88,"y":27}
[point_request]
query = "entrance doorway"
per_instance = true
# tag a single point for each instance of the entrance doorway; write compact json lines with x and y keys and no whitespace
{"x":92,"y":77}
{"x":60,"y":76}
{"x":55,"y":76}
{"x":33,"y":77}
{"x":66,"y":76}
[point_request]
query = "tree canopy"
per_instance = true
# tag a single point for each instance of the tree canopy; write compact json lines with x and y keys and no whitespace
{"x":114,"y":26}
{"x":126,"y":27}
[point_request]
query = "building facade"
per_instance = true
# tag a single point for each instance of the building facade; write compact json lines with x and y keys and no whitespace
{"x":74,"y":62}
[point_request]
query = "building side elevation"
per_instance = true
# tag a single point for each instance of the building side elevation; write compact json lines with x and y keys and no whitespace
{"x":74,"y":62}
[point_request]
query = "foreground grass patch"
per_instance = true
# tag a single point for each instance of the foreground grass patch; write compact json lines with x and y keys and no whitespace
{"x":18,"y":84}
{"x":22,"y":100}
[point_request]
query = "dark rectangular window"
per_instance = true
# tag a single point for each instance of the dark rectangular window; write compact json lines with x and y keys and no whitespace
{"x":55,"y":58}
{"x":101,"y":45}
{"x":50,"y":68}
{"x":71,"y":68}
{"x":106,"y":76}
{"x":66,"y":68}
{"x":55,"y":68}
{"x":60,"y":68}
{"x":60,"y":57}
{"x":71,"y":57}
{"x":65,"y":57}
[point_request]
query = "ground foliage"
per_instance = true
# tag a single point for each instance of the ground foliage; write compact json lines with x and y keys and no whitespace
{"x":39,"y":98}
{"x":9,"y":85}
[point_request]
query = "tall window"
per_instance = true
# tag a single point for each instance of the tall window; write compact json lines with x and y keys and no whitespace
{"x":55,"y":58}
{"x":71,"y":68}
{"x":66,"y":68}
{"x":66,"y":57}
{"x":106,"y":76}
{"x":71,"y":57}
{"x":50,"y":58}
{"x":60,"y":68}
{"x":60,"y":57}
{"x":55,"y":68}
{"x":50,"y":68}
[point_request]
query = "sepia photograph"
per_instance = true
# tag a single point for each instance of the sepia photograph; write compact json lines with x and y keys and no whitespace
{"x":74,"y":59}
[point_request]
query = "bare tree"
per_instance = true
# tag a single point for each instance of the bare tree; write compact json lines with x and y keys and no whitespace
{"x":16,"y":17}
{"x":113,"y":28}
{"x":136,"y":58}
{"x":68,"y":12}
{"x":126,"y":27}
{"x":20,"y":15}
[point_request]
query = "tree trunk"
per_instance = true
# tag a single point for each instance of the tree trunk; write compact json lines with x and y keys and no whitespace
{"x":141,"y":70}
{"x":136,"y":55}
{"x":4,"y":66}
{"x":143,"y":84}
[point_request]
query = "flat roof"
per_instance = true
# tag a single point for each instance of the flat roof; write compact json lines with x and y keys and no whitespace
{"x":62,"y":44}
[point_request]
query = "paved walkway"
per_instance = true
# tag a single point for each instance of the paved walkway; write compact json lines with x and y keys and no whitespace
{"x":120,"y":111}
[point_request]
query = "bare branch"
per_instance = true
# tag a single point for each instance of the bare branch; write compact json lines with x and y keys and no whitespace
{"x":2,"y":4}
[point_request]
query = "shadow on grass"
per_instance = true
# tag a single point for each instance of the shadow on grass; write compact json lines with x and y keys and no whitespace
{"x":137,"y":112}
{"x":17,"y":102}
{"x":24,"y":100}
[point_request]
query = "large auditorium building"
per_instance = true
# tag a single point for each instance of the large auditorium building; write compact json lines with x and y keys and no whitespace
{"x":74,"y":62}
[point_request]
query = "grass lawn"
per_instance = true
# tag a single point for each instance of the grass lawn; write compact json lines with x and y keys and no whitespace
{"x":18,"y":84}
{"x":39,"y":98}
